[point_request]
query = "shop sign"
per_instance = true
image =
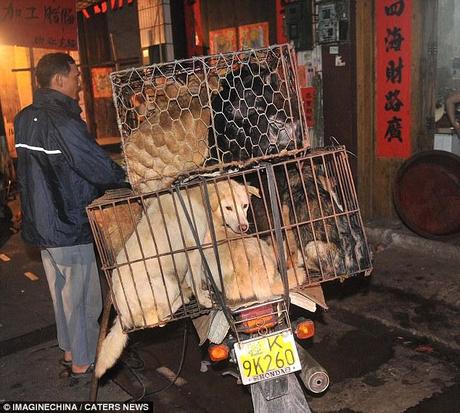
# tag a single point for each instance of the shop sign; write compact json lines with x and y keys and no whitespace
{"x":49,"y":24}
{"x":393,"y":67}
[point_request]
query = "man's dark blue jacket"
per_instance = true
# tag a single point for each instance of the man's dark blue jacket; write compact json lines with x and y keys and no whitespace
{"x":60,"y":170}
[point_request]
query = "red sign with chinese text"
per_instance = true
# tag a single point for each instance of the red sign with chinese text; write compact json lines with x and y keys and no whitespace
{"x":393,"y":66}
{"x":49,"y":24}
{"x":308,"y":100}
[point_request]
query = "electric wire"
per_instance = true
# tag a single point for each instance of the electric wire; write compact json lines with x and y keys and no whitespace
{"x":173,"y":381}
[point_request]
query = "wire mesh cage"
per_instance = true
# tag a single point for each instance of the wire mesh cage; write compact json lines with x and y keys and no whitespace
{"x":230,"y":238}
{"x":193,"y":114}
{"x":321,"y":223}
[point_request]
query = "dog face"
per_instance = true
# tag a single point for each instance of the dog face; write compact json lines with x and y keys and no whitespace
{"x":230,"y":203}
{"x":253,"y":115}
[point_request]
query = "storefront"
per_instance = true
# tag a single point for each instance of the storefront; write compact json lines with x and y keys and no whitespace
{"x":28,"y":30}
{"x":107,"y":37}
{"x":366,"y":69}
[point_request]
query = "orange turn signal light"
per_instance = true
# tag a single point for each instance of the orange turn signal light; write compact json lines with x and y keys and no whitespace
{"x":218,"y":352}
{"x":305,"y":329}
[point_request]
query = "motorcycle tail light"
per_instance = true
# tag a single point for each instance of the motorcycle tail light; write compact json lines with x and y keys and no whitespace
{"x":257,"y":318}
{"x":218,"y":352}
{"x":305,"y":329}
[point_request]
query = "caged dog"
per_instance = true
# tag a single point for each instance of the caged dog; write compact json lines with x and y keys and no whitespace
{"x":309,"y":203}
{"x":320,"y":234}
{"x":170,"y":134}
{"x":254,"y":115}
{"x":326,"y":236}
{"x":247,"y":270}
{"x":155,"y":275}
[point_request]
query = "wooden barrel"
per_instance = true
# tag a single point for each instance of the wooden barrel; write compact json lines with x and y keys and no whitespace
{"x":426,"y":194}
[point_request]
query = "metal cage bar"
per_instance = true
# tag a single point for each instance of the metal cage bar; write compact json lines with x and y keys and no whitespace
{"x":205,"y":111}
{"x":259,"y":243}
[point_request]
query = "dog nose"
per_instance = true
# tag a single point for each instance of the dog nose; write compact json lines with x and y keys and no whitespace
{"x":244,"y":227}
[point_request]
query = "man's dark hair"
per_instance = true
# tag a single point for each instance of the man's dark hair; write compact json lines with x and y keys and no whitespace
{"x":52,"y":64}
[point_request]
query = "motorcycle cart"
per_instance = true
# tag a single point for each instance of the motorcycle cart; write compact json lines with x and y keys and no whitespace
{"x":233,"y":216}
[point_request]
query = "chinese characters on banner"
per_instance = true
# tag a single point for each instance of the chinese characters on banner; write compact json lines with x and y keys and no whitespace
{"x":393,"y":64}
{"x":49,"y":24}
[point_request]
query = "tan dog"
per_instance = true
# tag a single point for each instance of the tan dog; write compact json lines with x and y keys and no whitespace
{"x":154,"y":275}
{"x":172,"y":137}
{"x":249,"y":269}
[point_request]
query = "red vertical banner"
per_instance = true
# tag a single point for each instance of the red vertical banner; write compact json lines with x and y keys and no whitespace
{"x":193,"y":27}
{"x":393,"y":67}
{"x":280,"y":36}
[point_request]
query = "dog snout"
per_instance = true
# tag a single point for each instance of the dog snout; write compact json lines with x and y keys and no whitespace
{"x":244,"y":227}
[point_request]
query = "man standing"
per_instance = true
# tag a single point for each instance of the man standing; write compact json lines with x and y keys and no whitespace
{"x":61,"y":169}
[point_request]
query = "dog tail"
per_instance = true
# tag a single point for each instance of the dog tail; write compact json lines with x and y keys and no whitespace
{"x":111,"y":348}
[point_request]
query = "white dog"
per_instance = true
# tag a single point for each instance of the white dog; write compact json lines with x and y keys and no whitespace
{"x":160,"y":265}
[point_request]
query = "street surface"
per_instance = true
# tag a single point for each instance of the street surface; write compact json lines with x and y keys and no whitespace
{"x":375,"y":365}
{"x":390,"y":343}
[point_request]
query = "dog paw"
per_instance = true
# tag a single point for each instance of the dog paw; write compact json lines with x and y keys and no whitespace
{"x":204,"y":298}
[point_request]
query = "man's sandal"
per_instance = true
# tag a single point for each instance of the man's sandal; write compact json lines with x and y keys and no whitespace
{"x":68,"y":373}
{"x":65,"y":363}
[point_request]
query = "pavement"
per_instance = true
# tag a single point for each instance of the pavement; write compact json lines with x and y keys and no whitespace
{"x":29,"y":354}
{"x":425,"y":269}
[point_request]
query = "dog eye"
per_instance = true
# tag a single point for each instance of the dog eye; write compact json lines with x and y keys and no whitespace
{"x":228,"y":208}
{"x":245,"y":206}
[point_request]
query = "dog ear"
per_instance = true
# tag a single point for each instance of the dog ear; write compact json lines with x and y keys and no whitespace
{"x":254,"y":191}
{"x":213,"y":198}
{"x":328,"y":183}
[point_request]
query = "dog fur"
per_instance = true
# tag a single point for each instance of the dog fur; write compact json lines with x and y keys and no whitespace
{"x":169,"y":140}
{"x":308,"y":203}
{"x":253,"y":116}
{"x":148,"y":287}
{"x":248,"y":265}
{"x":326,"y":238}
{"x":306,"y":200}
{"x":249,"y":270}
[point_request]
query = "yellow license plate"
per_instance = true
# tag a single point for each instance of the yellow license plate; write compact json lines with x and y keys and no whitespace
{"x":267,"y":357}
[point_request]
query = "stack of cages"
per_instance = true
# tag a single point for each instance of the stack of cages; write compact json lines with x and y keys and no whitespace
{"x":231,"y":207}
